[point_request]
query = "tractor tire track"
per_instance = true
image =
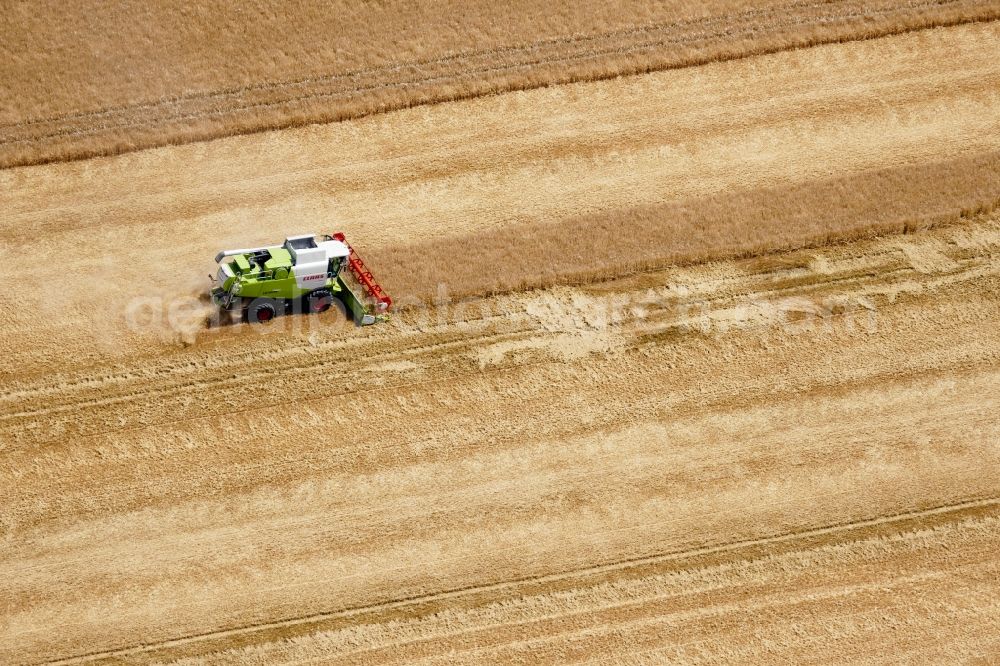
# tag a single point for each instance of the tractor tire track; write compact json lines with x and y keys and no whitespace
{"x":546,"y":585}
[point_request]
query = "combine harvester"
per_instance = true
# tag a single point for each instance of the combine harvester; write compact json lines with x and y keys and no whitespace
{"x":304,"y":274}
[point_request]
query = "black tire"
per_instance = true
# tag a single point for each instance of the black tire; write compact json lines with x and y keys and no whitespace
{"x":262,"y":310}
{"x":318,"y":301}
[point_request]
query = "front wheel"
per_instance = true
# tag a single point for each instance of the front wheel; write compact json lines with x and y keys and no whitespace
{"x":319,"y":301}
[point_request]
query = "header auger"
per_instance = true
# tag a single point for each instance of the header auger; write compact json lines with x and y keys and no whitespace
{"x":304,"y":274}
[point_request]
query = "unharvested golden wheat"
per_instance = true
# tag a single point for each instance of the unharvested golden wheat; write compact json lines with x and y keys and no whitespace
{"x":590,"y":248}
{"x":185,"y":74}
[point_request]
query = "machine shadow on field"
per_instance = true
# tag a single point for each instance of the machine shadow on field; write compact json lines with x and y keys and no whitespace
{"x":187,"y":319}
{"x":295,"y":319}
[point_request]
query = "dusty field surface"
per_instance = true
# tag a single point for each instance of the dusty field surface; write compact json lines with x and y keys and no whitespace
{"x":745,"y":444}
{"x":215,"y":68}
{"x":800,"y":450}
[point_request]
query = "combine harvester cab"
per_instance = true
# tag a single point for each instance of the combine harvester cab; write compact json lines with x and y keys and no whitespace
{"x":308,"y":270}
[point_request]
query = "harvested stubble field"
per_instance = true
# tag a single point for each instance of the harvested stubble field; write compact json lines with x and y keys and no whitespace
{"x":697,"y":365}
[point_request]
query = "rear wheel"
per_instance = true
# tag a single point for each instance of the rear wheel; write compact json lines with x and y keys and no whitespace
{"x":261,"y":311}
{"x":319,"y":301}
